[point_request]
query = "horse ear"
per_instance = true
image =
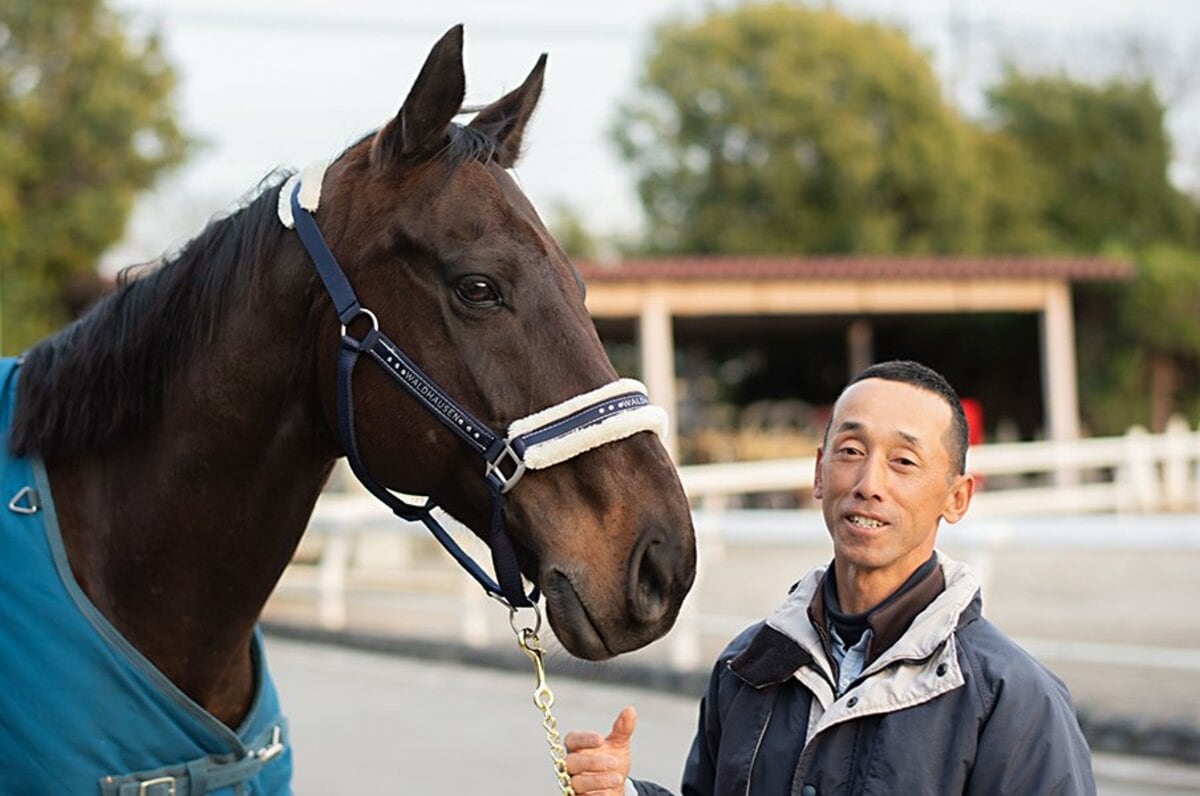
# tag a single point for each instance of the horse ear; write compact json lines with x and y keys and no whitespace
{"x":434,"y":100}
{"x":505,"y":119}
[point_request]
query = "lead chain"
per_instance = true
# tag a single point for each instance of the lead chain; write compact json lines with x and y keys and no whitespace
{"x":543,"y":699}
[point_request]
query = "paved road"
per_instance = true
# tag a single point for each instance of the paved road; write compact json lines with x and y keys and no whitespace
{"x":367,"y":723}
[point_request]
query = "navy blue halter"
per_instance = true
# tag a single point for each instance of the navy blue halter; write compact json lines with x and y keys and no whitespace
{"x":496,"y":451}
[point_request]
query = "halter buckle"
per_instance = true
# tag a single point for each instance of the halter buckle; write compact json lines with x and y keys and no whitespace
{"x":496,"y":475}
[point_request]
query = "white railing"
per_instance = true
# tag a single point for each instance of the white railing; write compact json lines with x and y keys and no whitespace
{"x":1138,"y":472}
{"x":357,"y":558}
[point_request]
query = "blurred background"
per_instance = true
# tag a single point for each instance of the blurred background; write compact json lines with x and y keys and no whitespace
{"x":764,"y":198}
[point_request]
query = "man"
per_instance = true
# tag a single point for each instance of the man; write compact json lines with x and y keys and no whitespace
{"x":878,"y":674}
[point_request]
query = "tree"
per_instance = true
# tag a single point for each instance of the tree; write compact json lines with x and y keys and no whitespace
{"x":778,"y":128}
{"x":1096,"y":158}
{"x":1162,"y":312}
{"x":1013,"y":199}
{"x":1099,"y":155}
{"x":86,"y":122}
{"x":569,"y":229}
{"x":1139,"y":343}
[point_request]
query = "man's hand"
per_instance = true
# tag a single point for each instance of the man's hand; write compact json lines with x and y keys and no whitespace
{"x":598,"y":766}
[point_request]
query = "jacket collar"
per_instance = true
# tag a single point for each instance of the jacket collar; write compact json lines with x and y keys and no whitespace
{"x":789,"y":640}
{"x":887,"y":622}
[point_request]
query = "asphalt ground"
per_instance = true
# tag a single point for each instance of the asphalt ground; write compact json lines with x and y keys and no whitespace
{"x":366,"y":722}
{"x":1107,"y":602}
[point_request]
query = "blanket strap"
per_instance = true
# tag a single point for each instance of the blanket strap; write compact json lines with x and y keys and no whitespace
{"x":200,"y":776}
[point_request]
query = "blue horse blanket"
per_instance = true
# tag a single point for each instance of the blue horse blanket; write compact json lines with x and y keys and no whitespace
{"x":81,"y":710}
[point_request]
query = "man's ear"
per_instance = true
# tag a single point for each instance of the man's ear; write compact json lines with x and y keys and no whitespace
{"x":959,"y":498}
{"x":817,"y":486}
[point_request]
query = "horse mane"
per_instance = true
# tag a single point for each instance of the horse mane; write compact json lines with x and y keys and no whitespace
{"x":107,"y":371}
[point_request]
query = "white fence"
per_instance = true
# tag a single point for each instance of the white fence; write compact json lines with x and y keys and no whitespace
{"x":356,"y":557}
{"x":1138,"y":472}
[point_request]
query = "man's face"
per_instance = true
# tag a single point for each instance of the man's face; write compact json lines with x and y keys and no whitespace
{"x":885,"y":477}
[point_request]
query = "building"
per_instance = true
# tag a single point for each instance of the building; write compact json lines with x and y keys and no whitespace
{"x":649,"y":299}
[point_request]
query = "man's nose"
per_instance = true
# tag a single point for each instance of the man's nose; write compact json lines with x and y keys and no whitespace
{"x":872,"y":478}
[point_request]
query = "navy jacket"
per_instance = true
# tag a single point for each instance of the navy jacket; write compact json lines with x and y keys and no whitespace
{"x":953,"y":706}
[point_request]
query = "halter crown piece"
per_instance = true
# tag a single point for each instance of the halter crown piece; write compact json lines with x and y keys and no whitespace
{"x":545,"y":438}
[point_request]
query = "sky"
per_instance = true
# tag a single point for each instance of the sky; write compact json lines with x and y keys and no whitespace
{"x":267,"y":83}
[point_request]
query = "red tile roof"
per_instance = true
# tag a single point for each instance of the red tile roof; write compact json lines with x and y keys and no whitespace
{"x":849,"y":267}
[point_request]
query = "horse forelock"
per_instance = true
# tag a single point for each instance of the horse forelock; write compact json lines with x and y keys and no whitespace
{"x":106,"y":373}
{"x":468,"y":143}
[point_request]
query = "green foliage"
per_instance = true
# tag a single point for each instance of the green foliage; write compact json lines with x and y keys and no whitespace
{"x":777,"y":128}
{"x":86,"y":122}
{"x":569,"y":229}
{"x":1138,"y":343}
{"x":1150,"y":367}
{"x":1014,"y":204}
{"x":1112,"y":383}
{"x":1162,"y":306}
{"x":1097,"y":159}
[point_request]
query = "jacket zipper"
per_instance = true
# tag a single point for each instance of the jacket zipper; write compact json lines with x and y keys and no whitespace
{"x":758,"y":745}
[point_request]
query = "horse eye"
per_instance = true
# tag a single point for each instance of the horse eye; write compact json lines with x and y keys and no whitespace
{"x":477,"y":292}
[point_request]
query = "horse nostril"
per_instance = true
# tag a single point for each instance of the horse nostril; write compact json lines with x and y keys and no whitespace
{"x":650,"y":568}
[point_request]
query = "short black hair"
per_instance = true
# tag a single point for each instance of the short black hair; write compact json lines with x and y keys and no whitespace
{"x":924,"y":378}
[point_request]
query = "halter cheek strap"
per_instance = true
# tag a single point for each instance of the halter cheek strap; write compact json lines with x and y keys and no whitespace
{"x":550,"y":436}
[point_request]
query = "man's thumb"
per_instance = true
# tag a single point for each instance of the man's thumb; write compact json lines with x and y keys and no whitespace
{"x":623,"y":727}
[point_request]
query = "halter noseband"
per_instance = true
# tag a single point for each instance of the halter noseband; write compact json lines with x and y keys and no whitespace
{"x":552,"y":435}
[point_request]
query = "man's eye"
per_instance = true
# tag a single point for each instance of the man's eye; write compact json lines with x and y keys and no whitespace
{"x":476,"y":291}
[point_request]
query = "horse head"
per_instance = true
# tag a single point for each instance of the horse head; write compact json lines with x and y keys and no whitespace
{"x":439,"y":241}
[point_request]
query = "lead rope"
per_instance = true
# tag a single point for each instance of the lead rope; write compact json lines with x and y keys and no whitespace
{"x":543,"y":697}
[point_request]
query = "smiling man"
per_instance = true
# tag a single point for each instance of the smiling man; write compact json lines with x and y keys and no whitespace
{"x":878,"y":674}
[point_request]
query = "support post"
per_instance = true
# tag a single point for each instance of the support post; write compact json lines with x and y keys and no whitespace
{"x":657,"y":347}
{"x":331,"y":581}
{"x":1060,"y":394}
{"x":860,"y":346}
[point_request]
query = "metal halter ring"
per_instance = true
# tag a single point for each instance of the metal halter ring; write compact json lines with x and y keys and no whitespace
{"x":519,"y":631}
{"x":362,"y":311}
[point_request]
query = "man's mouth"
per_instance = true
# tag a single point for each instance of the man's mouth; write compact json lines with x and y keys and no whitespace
{"x":860,"y":521}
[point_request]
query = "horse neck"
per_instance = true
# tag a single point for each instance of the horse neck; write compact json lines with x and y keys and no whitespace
{"x":179,"y":534}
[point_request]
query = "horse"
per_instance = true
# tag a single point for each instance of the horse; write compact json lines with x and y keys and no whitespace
{"x":173,"y":442}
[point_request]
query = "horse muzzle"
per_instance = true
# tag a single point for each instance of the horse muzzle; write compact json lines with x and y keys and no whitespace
{"x":595,"y":618}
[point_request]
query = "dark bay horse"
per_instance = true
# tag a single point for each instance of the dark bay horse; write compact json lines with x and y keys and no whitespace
{"x":188,"y":422}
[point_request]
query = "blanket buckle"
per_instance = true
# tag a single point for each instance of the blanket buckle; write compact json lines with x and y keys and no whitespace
{"x":271,"y":749}
{"x":144,"y":788}
{"x":25,"y":501}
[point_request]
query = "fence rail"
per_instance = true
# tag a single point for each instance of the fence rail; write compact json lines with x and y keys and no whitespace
{"x":1137,"y":472}
{"x":1137,"y":495}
